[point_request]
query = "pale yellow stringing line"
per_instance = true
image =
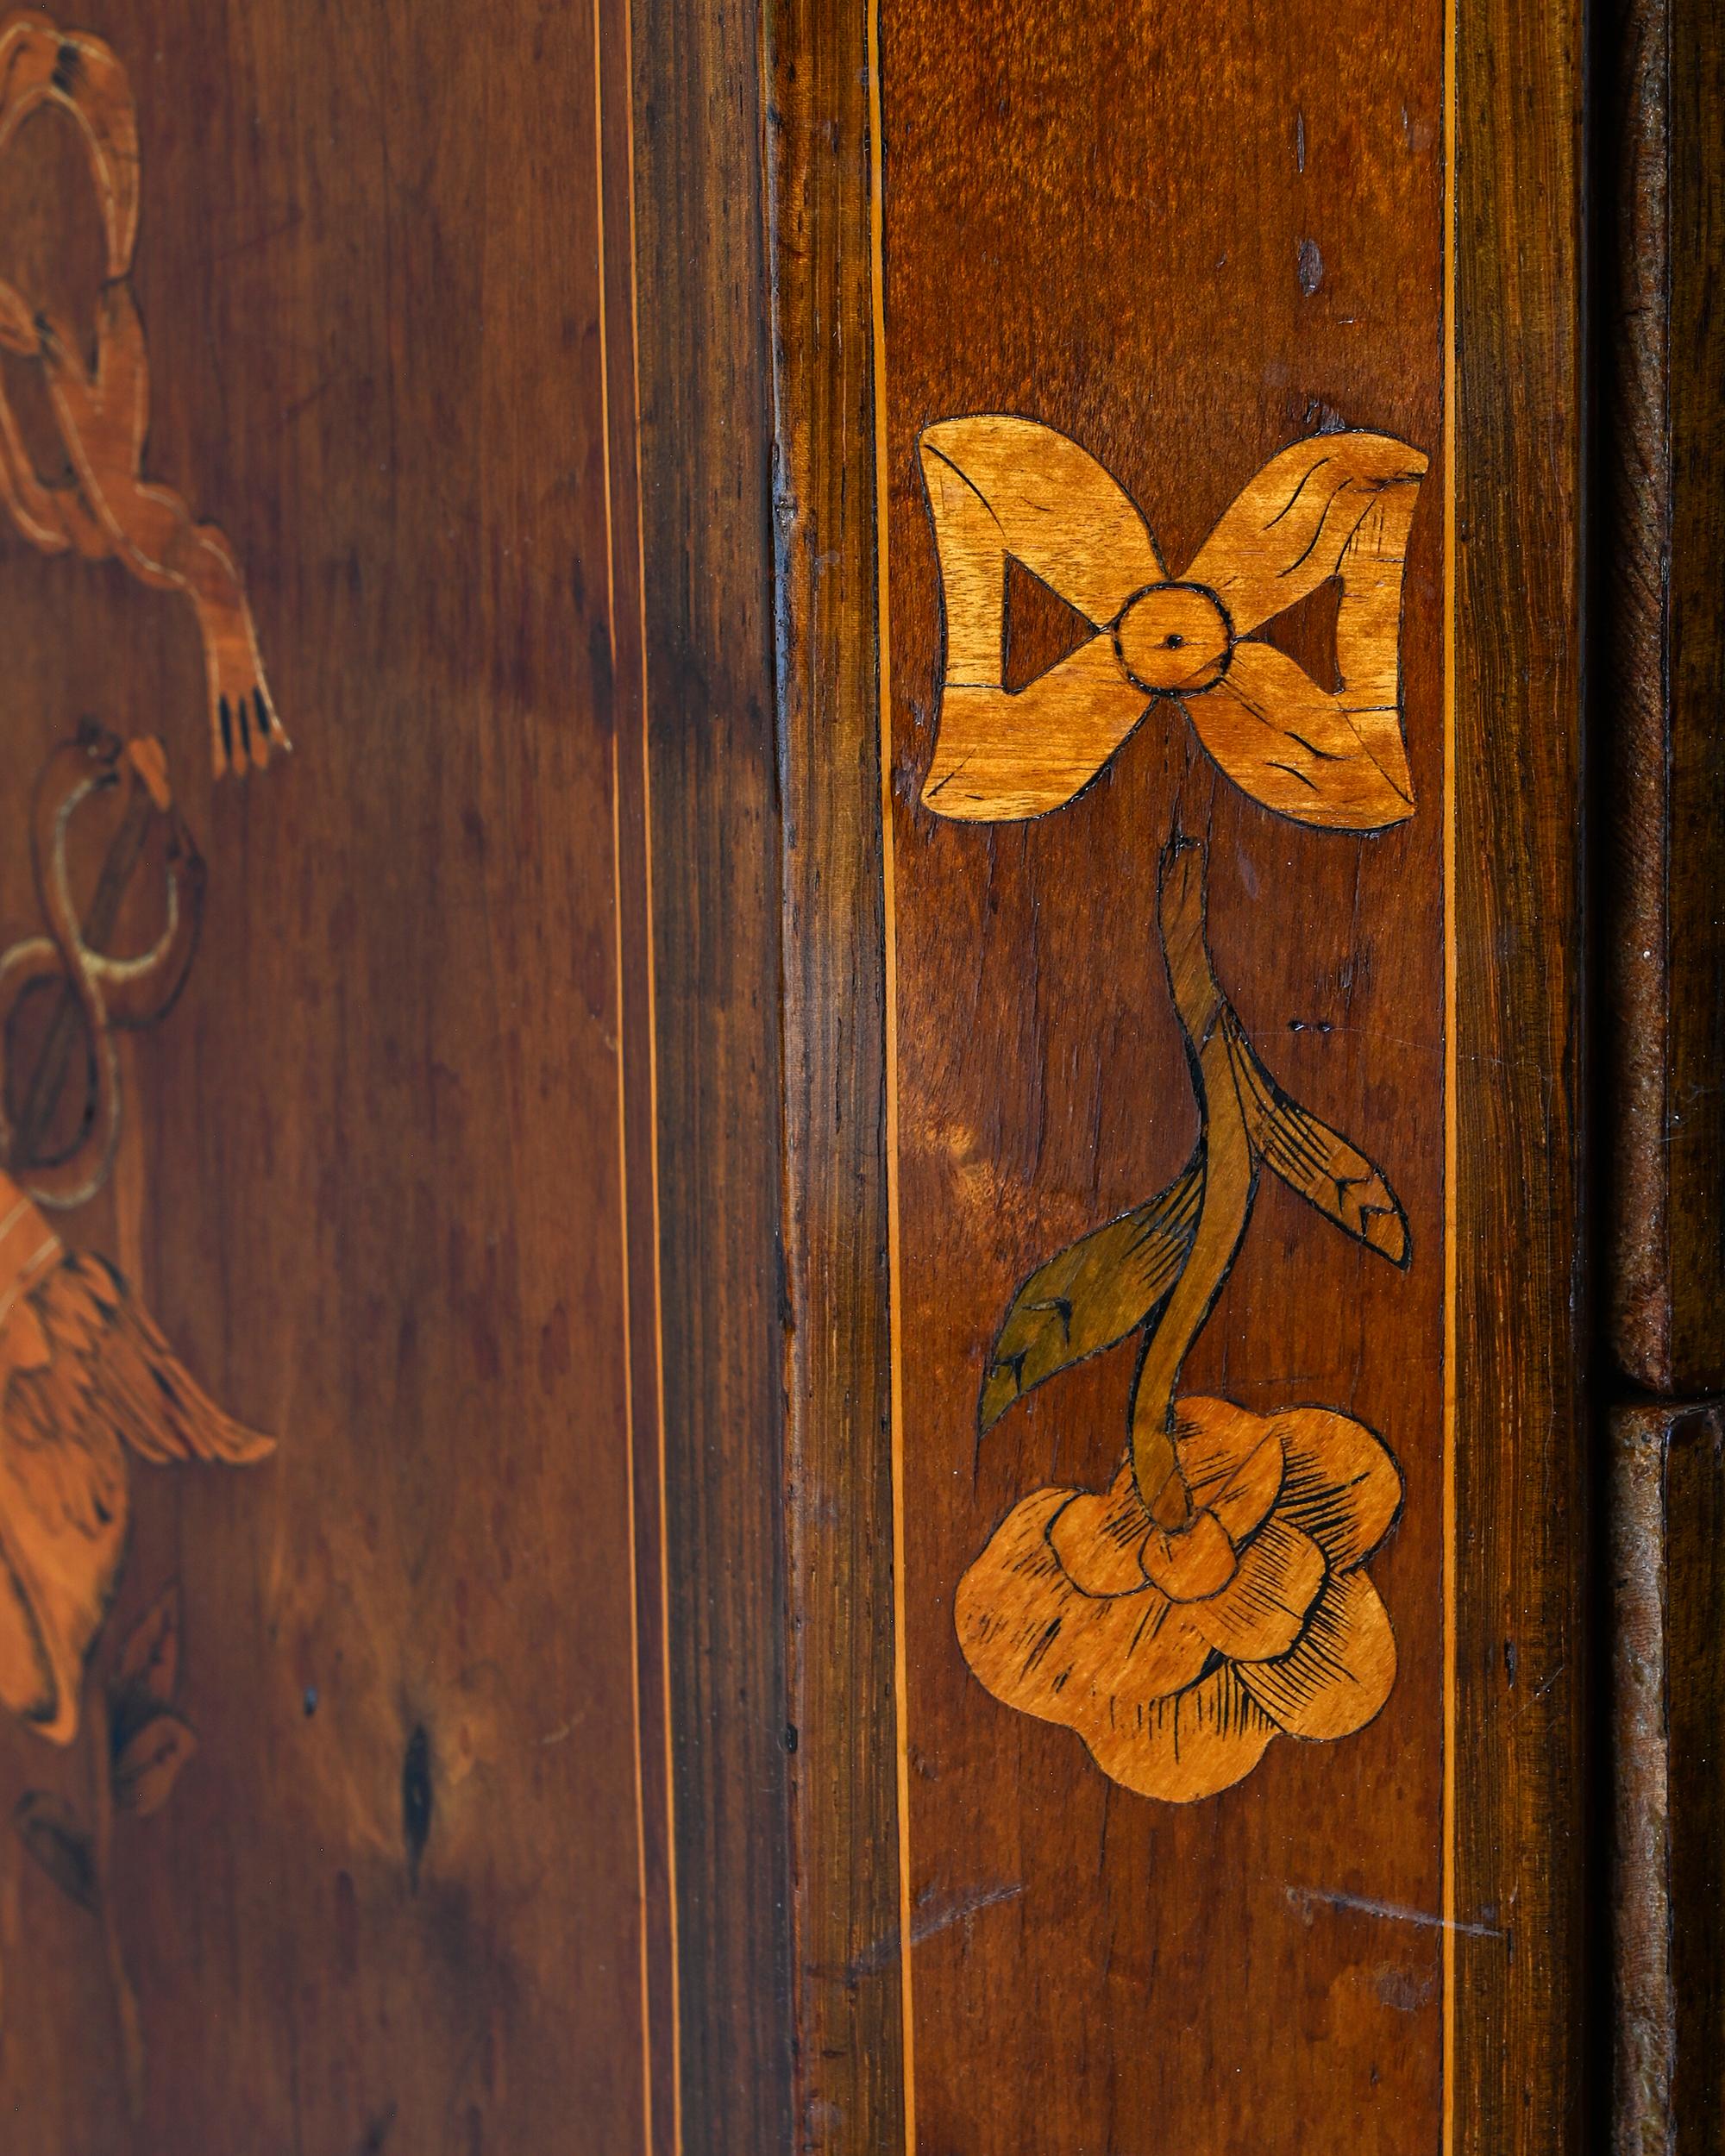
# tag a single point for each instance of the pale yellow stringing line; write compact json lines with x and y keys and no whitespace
{"x":889,"y":903}
{"x":676,"y":1973}
{"x":1450,"y":1062}
{"x":623,"y":1120}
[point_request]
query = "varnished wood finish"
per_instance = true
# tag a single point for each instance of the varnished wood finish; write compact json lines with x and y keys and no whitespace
{"x":369,"y":1177}
{"x":1046,"y":256}
{"x":717,"y":1215}
{"x":1522,"y":1314}
{"x":706,"y":420}
{"x":849,"y":2087}
{"x":1667,"y":1483}
{"x":1013,"y":93}
{"x":1661,"y":626}
{"x":1659,"y":750}
{"x":1695,"y":1131}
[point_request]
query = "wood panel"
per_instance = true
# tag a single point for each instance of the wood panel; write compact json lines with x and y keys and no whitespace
{"x":850,"y":2058}
{"x":1660,"y":1152}
{"x":1182,"y":319}
{"x":763,"y":1197}
{"x":1696,"y":1132}
{"x":370,"y":1179}
{"x":1044,"y":254}
{"x":1667,"y":1601}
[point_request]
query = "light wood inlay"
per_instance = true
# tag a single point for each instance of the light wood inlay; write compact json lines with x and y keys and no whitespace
{"x":1337,"y":506}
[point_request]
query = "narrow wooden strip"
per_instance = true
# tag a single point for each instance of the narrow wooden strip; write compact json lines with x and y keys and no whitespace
{"x":883,"y":689}
{"x":1667,"y":1495}
{"x":705,"y":443}
{"x":1632,"y":559}
{"x":1695,"y":1127}
{"x":1520,"y":1415}
{"x":1660,"y":622}
{"x":1695,"y":1684}
{"x":625,"y":666}
{"x":849,"y":2097}
{"x":1644,"y":2011}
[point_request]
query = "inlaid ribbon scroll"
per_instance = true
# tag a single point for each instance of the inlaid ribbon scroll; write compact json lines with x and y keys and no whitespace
{"x":1337,"y":506}
{"x":104,"y":508}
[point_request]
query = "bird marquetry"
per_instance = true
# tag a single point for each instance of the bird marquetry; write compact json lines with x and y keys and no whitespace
{"x":88,"y":1382}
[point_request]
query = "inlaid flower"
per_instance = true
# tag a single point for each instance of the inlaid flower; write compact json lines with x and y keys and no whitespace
{"x":1177,"y":1655}
{"x":1213,"y":1596}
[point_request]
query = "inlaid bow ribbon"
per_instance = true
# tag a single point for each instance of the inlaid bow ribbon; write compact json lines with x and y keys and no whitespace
{"x":1335,"y":505}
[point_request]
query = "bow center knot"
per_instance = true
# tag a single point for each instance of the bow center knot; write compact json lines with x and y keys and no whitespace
{"x":1174,"y":639}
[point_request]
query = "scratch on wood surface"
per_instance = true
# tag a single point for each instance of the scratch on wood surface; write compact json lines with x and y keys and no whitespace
{"x":937,"y":1913}
{"x":1394,"y":1912}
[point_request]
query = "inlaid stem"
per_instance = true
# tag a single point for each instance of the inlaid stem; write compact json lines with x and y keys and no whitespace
{"x":1229,"y":1181}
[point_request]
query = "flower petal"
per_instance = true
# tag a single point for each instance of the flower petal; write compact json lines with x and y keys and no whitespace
{"x":1203,"y":1739}
{"x":1263,"y":1609}
{"x":1097,"y":1537}
{"x":1214,"y":1440}
{"x":1040,"y":1643}
{"x":1340,"y":1484}
{"x":1230,"y":1459}
{"x":1195,"y":1561}
{"x":1245,"y":1500}
{"x":1340,"y":1673}
{"x":1163,"y":1652}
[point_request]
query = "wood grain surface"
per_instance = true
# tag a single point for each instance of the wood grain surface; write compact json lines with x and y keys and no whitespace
{"x":1522,"y":1329}
{"x":1662,"y":646}
{"x":1183,"y":318}
{"x":850,"y":2062}
{"x":1667,"y":1601}
{"x":706,"y":420}
{"x":633,"y":1122}
{"x":370,"y":1178}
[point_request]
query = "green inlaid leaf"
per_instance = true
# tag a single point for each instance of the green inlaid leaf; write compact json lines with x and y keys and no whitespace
{"x":1311,"y":1158}
{"x":1092,"y":1293}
